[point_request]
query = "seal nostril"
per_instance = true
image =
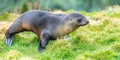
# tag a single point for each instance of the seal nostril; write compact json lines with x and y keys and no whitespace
{"x":87,"y":22}
{"x":79,"y":20}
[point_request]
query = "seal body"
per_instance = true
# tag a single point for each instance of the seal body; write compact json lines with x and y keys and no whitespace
{"x":45,"y":25}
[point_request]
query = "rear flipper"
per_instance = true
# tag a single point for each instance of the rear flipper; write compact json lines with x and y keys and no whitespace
{"x":9,"y":40}
{"x":13,"y":29}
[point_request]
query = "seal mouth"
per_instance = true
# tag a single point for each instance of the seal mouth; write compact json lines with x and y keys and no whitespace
{"x":85,"y":23}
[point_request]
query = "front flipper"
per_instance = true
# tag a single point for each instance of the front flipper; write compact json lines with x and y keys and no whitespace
{"x":9,"y":40}
{"x":44,"y":40}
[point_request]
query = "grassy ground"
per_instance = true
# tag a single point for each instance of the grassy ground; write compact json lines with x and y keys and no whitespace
{"x":100,"y":40}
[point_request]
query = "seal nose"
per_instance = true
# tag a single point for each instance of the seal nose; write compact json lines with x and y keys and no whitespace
{"x":87,"y":22}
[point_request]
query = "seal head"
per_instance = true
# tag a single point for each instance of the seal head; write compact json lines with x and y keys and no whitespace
{"x":76,"y":18}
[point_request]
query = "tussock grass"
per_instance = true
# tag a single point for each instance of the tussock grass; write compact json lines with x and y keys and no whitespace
{"x":99,"y":40}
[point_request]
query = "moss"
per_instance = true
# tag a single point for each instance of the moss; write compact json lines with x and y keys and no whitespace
{"x":115,"y":15}
{"x":13,"y":55}
{"x":116,"y":47}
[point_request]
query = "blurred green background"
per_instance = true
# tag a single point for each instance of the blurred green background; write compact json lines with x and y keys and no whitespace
{"x":51,"y":5}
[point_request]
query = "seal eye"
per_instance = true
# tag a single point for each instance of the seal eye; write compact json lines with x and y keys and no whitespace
{"x":70,"y":18}
{"x":79,"y":20}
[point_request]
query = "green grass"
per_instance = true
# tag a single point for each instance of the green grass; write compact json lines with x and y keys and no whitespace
{"x":96,"y":41}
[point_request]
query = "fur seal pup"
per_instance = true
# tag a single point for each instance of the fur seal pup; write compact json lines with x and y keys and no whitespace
{"x":45,"y":25}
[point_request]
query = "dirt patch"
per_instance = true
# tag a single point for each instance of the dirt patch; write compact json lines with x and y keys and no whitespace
{"x":4,"y":25}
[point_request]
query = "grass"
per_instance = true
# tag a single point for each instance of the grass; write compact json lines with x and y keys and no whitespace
{"x":97,"y":41}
